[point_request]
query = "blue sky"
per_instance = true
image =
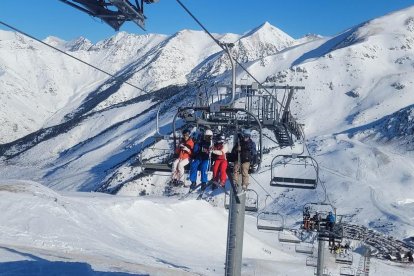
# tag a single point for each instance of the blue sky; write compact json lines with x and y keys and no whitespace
{"x":297,"y":18}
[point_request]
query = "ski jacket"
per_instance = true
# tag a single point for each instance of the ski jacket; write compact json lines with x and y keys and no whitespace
{"x":202,"y":150}
{"x":330,"y":218}
{"x":219,"y":151}
{"x":185,"y":149}
{"x":248,"y":152}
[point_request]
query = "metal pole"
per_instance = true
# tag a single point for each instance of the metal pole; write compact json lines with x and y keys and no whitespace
{"x":227,"y":47}
{"x":321,"y":256}
{"x":235,"y":230}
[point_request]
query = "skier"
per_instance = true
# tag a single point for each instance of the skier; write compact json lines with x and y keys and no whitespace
{"x":201,"y":160}
{"x":184,"y":151}
{"x":248,"y":155}
{"x":219,"y":151}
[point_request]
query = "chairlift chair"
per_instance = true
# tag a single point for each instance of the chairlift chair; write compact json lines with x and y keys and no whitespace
{"x":347,"y":271}
{"x":322,"y":209}
{"x":155,"y":158}
{"x":344,"y":258}
{"x":288,"y":237}
{"x":311,"y":261}
{"x":284,"y":173}
{"x":325,"y":272}
{"x":305,"y":248}
{"x":252,"y":201}
{"x":270,"y":221}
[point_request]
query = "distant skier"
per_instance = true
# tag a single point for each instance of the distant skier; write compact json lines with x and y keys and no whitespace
{"x":219,"y":151}
{"x":248,"y":155}
{"x":201,"y":160}
{"x":184,"y":151}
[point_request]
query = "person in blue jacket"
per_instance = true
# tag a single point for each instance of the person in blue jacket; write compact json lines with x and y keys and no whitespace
{"x":201,"y":160}
{"x":330,"y":221}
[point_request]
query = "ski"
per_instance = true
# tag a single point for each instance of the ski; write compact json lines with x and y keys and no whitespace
{"x":190,"y":191}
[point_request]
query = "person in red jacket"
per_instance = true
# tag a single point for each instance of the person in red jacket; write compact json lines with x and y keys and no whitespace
{"x":184,"y":151}
{"x":220,"y":149}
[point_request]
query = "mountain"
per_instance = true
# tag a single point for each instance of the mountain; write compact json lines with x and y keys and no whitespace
{"x":256,"y":44}
{"x":356,"y":109}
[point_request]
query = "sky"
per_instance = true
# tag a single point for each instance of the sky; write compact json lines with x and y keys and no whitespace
{"x":296,"y":18}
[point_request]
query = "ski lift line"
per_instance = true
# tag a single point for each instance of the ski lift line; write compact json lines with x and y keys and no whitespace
{"x":224,"y":48}
{"x":267,"y":193}
{"x":326,"y":199}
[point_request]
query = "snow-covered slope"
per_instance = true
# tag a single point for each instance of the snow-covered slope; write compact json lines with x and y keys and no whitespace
{"x":40,"y":85}
{"x":90,"y":234}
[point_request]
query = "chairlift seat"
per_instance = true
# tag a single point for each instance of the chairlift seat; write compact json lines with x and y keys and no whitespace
{"x":270,"y":227}
{"x":289,"y":182}
{"x":304,"y":248}
{"x":311,"y":261}
{"x":288,"y":238}
{"x":344,"y":259}
{"x":347,"y":271}
{"x":148,"y":167}
{"x":270,"y":221}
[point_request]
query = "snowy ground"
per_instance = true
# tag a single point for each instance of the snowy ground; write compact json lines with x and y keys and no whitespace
{"x":47,"y":233}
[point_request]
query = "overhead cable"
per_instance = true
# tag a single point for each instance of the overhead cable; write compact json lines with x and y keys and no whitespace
{"x":69,"y":55}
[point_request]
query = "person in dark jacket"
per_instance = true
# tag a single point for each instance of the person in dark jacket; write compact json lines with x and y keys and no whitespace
{"x":201,"y":159}
{"x":248,"y":155}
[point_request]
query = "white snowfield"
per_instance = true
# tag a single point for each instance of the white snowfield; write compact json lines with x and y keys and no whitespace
{"x":47,"y":233}
{"x":67,"y":130}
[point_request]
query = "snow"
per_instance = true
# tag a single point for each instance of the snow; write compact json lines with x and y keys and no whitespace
{"x":68,"y":130}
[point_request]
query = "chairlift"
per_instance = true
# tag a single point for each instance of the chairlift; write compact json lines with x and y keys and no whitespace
{"x":314,"y":215}
{"x":284,"y":171}
{"x":311,"y":261}
{"x":305,"y":248}
{"x":270,"y":221}
{"x":288,"y":237}
{"x":156,"y":157}
{"x":347,"y":271}
{"x":344,"y":258}
{"x":252,"y":201}
{"x":325,"y":272}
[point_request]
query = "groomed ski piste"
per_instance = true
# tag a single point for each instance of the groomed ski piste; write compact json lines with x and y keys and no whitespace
{"x":50,"y":233}
{"x":357,"y":109}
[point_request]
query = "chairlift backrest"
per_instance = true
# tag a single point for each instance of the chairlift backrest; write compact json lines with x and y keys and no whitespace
{"x":294,"y":171}
{"x":270,"y":221}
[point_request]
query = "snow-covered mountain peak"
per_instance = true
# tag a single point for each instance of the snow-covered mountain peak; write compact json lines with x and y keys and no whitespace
{"x":269,"y":33}
{"x":307,"y":38}
{"x":55,"y":42}
{"x":79,"y":44}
